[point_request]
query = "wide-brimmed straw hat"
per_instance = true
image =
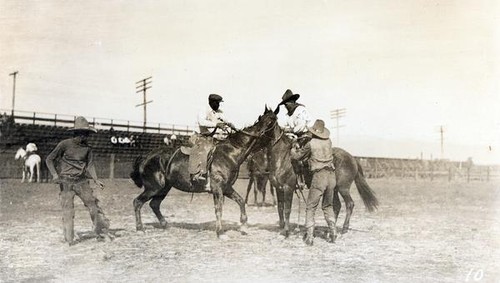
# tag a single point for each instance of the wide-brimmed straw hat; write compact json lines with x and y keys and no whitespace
{"x":289,"y":96}
{"x":319,"y":130}
{"x":81,"y":124}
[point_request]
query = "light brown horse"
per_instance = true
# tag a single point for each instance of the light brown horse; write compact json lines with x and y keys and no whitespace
{"x":283,"y":178}
{"x":161,"y":170}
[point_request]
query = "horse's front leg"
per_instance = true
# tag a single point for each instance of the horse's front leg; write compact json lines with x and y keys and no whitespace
{"x":32,"y":171}
{"x":216,"y":187}
{"x":24,"y":175}
{"x":287,"y":208}
{"x":232,"y":194}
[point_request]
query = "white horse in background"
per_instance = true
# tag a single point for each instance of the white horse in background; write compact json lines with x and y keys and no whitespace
{"x":30,"y":161}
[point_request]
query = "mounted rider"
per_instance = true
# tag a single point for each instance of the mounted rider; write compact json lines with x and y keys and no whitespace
{"x":213,"y":127}
{"x":298,"y":120}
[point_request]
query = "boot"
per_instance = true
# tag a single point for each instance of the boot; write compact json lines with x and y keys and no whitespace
{"x":309,"y":236}
{"x":332,"y":233}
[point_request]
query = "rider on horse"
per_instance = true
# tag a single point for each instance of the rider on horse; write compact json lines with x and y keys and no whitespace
{"x":298,"y":119}
{"x":211,"y":122}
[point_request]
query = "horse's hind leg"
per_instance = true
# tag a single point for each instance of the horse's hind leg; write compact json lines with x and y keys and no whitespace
{"x":155,"y":205}
{"x":249,"y":187}
{"x":139,"y":201}
{"x":349,"y":204}
{"x":337,"y":205}
{"x":232,"y":194}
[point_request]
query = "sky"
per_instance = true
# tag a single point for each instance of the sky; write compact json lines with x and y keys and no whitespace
{"x":401,"y":69}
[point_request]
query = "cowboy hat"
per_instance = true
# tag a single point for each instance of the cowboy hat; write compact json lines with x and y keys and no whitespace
{"x":319,"y":130}
{"x":215,"y":97}
{"x":81,"y":124}
{"x":289,"y":96}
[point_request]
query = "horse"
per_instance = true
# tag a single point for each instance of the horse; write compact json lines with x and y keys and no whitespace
{"x":258,"y":176}
{"x":30,"y":162}
{"x":161,"y":170}
{"x":283,"y":178}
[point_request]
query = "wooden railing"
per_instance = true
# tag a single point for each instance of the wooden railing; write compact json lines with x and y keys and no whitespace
{"x":40,"y":118}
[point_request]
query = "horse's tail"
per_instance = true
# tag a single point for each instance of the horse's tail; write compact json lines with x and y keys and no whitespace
{"x":366,"y":193}
{"x":135,"y":175}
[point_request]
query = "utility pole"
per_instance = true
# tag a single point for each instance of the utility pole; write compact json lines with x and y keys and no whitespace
{"x":441,"y":132}
{"x":142,"y":86}
{"x":336,"y":115}
{"x":14,"y":75}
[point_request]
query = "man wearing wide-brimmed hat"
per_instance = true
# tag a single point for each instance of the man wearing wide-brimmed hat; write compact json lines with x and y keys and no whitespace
{"x":318,"y":152}
{"x":298,"y":116}
{"x":74,"y":162}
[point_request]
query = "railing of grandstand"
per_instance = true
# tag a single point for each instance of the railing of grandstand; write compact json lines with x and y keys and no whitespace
{"x":41,"y":118}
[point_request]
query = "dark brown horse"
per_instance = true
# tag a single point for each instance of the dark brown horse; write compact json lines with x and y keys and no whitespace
{"x":161,"y":170}
{"x":258,"y":177}
{"x":347,"y":171}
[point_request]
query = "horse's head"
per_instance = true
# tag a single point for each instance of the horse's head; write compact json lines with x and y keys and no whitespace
{"x":31,"y":147}
{"x":263,"y":128}
{"x":20,"y":153}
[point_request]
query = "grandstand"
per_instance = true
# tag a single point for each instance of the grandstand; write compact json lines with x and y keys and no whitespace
{"x":115,"y":145}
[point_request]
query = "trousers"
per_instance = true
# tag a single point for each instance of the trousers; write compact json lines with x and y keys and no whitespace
{"x":83,"y":190}
{"x":322,"y":185}
{"x":198,"y":160}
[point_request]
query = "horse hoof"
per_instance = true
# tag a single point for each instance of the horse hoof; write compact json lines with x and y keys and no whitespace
{"x":285,"y":233}
{"x":345,"y":230}
{"x":244,"y":230}
{"x":223,"y":237}
{"x":163,"y":224}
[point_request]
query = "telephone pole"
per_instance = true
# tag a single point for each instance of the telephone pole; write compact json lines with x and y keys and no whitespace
{"x":336,"y":115}
{"x":441,"y":132}
{"x":142,"y":86}
{"x":14,"y":75}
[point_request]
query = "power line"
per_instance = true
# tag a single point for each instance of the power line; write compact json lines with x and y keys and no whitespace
{"x":336,"y":115}
{"x":142,"y":86}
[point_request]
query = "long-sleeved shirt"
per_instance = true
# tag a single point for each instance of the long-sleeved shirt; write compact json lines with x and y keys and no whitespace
{"x":208,"y":119}
{"x":299,"y":120}
{"x":74,"y":160}
{"x":318,"y":152}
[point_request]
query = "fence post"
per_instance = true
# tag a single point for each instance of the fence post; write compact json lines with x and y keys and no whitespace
{"x":432,"y":172}
{"x":34,"y":118}
{"x":112,"y":166}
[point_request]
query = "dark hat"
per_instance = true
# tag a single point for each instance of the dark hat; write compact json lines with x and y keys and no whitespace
{"x":215,"y":97}
{"x":81,"y":124}
{"x":289,"y":96}
{"x":319,"y":130}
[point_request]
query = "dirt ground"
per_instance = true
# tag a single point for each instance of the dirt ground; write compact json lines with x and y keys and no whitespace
{"x":422,"y":232}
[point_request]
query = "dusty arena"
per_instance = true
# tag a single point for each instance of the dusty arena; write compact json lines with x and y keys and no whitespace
{"x":422,"y":232}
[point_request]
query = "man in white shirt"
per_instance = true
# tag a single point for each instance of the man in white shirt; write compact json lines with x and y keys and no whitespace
{"x":209,"y":120}
{"x":298,"y":117}
{"x":298,"y":120}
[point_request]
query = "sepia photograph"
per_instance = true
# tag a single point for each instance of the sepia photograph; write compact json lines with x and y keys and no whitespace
{"x":249,"y":141}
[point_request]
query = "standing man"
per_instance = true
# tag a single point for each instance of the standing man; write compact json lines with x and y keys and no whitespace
{"x":209,"y":120}
{"x":318,"y":152}
{"x":74,"y":162}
